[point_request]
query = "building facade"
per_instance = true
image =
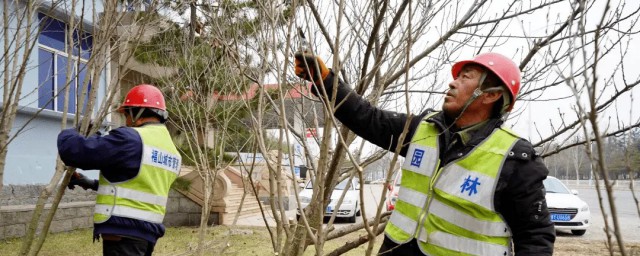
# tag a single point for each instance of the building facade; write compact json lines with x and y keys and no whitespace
{"x":57,"y":62}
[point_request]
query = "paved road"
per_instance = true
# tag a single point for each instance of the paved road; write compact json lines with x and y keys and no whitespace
{"x":627,"y":213}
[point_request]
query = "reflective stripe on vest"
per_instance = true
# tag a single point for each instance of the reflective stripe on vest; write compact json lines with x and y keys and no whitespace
{"x":463,"y":244}
{"x":412,"y":197}
{"x":132,"y":194}
{"x":456,"y":216}
{"x":403,"y":222}
{"x":423,"y":159}
{"x":143,"y":197}
{"x":461,"y":216}
{"x":406,"y":224}
{"x":420,"y":163}
{"x":129,"y":212}
{"x":453,"y":179}
{"x":161,"y":159}
{"x":468,"y":222}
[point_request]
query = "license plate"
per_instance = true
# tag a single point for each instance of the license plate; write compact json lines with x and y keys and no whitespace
{"x":328,"y":209}
{"x":561,"y":217}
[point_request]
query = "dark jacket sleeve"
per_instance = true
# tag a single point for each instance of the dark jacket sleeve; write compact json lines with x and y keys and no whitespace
{"x":109,"y":152}
{"x":523,"y":204}
{"x":380,"y":127}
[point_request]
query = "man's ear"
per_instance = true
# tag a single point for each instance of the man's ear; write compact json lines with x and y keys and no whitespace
{"x":491,"y":96}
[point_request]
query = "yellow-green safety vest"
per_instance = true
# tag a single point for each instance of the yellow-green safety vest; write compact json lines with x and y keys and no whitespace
{"x":143,"y":197}
{"x":449,"y":209}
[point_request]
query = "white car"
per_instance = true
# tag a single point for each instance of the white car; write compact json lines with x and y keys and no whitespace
{"x":568,"y":211}
{"x":350,"y":207}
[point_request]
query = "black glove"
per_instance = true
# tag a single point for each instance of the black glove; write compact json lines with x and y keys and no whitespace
{"x":78,"y":179}
{"x":308,"y":65}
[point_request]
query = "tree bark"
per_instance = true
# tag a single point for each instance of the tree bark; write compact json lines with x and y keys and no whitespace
{"x":354,"y":227}
{"x":357,"y":242}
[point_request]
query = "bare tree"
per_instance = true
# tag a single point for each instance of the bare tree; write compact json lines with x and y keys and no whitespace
{"x":588,"y":82}
{"x":395,"y":54}
{"x":104,"y":26}
{"x":393,"y":59}
{"x":577,"y":159}
{"x":628,"y":153}
{"x":19,"y":40}
{"x":208,"y":95}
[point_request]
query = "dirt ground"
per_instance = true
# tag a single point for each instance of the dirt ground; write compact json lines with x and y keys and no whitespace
{"x":571,"y":246}
{"x":256,"y":242}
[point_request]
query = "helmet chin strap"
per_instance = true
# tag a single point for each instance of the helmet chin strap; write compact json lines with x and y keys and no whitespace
{"x":135,"y":117}
{"x":476,"y":93}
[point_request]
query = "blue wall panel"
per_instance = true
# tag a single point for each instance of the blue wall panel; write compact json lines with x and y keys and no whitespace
{"x":32,"y":155}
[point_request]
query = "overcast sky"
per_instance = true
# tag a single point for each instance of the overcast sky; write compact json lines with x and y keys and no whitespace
{"x":534,"y":120}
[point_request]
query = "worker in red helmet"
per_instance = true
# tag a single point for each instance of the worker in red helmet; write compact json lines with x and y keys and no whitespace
{"x":138,"y":163}
{"x":469,"y":185}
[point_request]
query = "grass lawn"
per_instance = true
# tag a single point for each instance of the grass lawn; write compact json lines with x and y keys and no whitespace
{"x":179,"y":241}
{"x":253,"y":241}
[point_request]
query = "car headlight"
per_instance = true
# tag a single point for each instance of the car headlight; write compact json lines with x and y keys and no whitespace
{"x":584,"y":208}
{"x":305,"y":200}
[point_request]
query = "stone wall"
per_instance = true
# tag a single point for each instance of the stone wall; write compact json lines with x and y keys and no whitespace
{"x":28,"y":195}
{"x":76,"y":210}
{"x":182,"y":211}
{"x":15,"y":219}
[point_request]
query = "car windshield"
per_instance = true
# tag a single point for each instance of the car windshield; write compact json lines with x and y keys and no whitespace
{"x":343,"y":184}
{"x":552,"y":185}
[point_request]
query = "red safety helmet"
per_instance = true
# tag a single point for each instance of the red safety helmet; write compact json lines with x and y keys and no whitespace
{"x":144,"y":96}
{"x":500,"y":65}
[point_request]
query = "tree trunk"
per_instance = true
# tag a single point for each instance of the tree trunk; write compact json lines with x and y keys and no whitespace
{"x":37,"y":212}
{"x":357,"y":242}
{"x":35,"y":249}
{"x":355,"y":227}
{"x":299,"y":241}
{"x":3,"y":156}
{"x":206,"y":209}
{"x":235,"y":218}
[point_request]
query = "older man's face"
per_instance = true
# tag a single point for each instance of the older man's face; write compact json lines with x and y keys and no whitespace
{"x":460,"y":91}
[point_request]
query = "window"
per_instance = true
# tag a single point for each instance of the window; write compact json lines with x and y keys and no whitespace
{"x":54,"y":61}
